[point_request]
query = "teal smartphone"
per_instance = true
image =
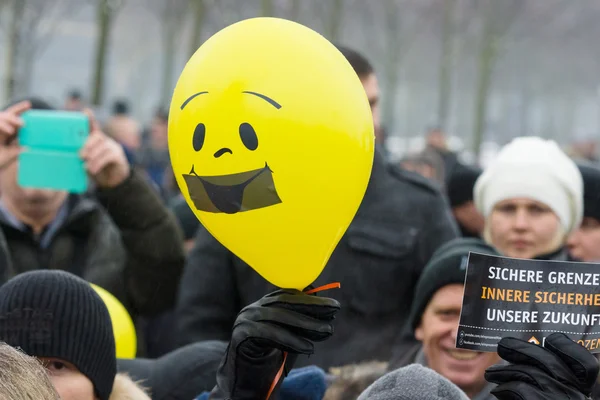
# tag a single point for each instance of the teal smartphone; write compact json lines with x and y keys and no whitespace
{"x":50,"y":159}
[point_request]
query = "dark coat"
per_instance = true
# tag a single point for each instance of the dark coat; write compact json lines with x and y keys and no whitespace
{"x":180,"y":375}
{"x":123,"y":239}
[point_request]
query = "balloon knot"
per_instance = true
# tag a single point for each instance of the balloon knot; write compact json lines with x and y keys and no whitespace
{"x":335,"y":285}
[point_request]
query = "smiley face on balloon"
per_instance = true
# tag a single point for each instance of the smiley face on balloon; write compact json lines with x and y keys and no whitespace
{"x":248,"y":189}
{"x":271,"y":142}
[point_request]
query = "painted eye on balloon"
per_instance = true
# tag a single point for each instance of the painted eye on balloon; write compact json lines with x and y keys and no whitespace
{"x":248,"y":136}
{"x":199,"y":135}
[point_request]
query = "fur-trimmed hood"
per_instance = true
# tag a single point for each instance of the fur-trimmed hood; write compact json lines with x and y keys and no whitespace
{"x":351,"y":380}
{"x":126,"y":389}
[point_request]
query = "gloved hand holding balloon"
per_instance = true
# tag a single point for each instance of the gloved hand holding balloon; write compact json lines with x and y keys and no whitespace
{"x":271,"y":142}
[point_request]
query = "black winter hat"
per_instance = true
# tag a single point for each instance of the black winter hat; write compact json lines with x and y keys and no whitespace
{"x":461,"y":183}
{"x":56,"y":314}
{"x":36,"y":103}
{"x":591,"y":190}
{"x":447,"y":266}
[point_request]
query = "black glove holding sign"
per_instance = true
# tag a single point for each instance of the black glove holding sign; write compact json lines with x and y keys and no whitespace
{"x":283,"y":321}
{"x":561,"y":370}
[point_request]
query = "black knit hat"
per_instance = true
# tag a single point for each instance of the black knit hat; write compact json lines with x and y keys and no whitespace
{"x":447,"y":266}
{"x":56,"y":314}
{"x":36,"y":103}
{"x":591,"y":190}
{"x":461,"y":183}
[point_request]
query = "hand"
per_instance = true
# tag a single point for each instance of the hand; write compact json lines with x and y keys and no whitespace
{"x":560,"y":370}
{"x":283,"y":321}
{"x":104,"y":158}
{"x":10,"y":122}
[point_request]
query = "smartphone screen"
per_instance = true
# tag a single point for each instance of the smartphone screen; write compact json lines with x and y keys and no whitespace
{"x":51,"y":142}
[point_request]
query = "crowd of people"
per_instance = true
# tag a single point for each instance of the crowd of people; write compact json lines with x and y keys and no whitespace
{"x":210,"y":327}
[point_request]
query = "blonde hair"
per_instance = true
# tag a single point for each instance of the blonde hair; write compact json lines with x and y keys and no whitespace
{"x":23,"y":377}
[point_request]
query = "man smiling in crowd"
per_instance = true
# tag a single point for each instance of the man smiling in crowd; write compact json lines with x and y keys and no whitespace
{"x":434,"y":320}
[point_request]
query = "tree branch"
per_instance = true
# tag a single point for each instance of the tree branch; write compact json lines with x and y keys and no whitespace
{"x":62,"y":8}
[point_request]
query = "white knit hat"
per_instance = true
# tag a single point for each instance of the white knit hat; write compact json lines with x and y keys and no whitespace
{"x":534,"y":168}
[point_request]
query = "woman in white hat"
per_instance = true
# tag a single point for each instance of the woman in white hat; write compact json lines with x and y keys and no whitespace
{"x":532,"y":198}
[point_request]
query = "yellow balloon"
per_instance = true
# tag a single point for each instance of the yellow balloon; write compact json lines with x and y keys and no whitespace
{"x":271,"y":140}
{"x":123,"y":327}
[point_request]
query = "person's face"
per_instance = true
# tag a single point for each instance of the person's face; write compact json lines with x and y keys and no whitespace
{"x":188,"y":245}
{"x":372,"y":89}
{"x":584,"y":243}
{"x":29,"y":201}
{"x":73,"y":104}
{"x":469,"y":218}
{"x":588,"y":149}
{"x":130,"y":140}
{"x":437,"y":332}
{"x":68,"y":381}
{"x":437,"y":139}
{"x":158,"y":132}
{"x":524,"y":228}
{"x":592,"y":149}
{"x":422,"y":169}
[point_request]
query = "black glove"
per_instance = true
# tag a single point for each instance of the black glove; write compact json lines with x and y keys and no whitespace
{"x":561,"y":370}
{"x":283,"y":321}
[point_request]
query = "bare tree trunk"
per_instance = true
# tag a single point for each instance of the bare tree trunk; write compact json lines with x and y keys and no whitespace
{"x":267,"y":8}
{"x":104,"y":16}
{"x":16,"y":9}
{"x":598,"y":108}
{"x":171,"y":16}
{"x":197,"y":23}
{"x":26,"y":66}
{"x":446,"y":64}
{"x":392,"y":65}
{"x":168,"y":61}
{"x":335,"y":21}
{"x":41,"y":19}
{"x":549,"y":127}
{"x":497,"y":19}
{"x":487,"y":56}
{"x":295,"y":10}
{"x":569,"y":111}
{"x":525,"y":102}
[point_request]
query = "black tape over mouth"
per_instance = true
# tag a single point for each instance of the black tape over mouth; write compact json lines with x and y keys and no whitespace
{"x":232,"y":193}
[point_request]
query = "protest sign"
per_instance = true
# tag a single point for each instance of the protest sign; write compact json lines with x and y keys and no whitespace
{"x":528,"y":299}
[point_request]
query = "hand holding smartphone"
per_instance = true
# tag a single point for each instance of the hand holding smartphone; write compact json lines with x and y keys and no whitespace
{"x":10,"y":122}
{"x":51,"y":142}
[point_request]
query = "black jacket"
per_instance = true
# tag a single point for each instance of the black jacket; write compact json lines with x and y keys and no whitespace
{"x":123,"y":240}
{"x":182,"y":374}
{"x":401,"y":221}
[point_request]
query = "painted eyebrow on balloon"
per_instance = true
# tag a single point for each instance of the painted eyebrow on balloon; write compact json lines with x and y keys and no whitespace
{"x":265,"y":98}
{"x":192,"y":97}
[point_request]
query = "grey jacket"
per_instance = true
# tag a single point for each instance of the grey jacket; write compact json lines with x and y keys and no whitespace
{"x":402,"y":220}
